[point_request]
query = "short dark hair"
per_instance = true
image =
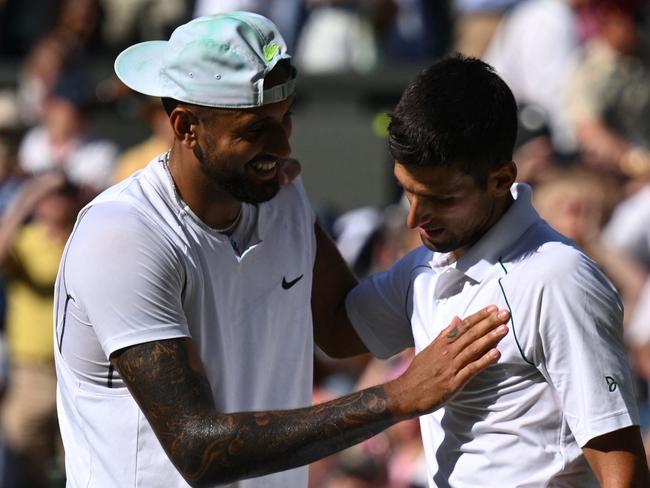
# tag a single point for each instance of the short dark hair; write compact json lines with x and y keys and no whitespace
{"x":457,"y":111}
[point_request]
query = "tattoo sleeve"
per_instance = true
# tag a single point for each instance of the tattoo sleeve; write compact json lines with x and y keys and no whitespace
{"x":209,"y":447}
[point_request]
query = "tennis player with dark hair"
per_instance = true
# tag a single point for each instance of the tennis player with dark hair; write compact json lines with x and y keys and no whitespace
{"x":559,"y":406}
{"x":190,"y":294}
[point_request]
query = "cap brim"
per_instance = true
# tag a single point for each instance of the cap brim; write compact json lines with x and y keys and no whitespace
{"x":139,"y":66}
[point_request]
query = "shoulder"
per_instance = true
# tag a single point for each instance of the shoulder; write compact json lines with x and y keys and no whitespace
{"x":545,"y":257}
{"x":134,"y":211}
{"x":409,"y":265}
{"x":107,"y":227}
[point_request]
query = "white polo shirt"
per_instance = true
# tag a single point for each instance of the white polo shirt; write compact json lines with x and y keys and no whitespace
{"x":140,"y":267}
{"x":563,"y":376}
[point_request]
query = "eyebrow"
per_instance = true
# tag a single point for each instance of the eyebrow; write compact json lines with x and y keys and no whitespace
{"x":449,"y":194}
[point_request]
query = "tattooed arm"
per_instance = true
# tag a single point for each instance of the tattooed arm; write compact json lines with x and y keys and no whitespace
{"x":169,"y":383}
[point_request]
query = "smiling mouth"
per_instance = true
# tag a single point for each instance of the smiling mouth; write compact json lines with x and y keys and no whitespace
{"x":265,"y":169}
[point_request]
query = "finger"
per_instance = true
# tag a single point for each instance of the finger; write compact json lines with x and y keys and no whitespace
{"x":475,"y":367}
{"x":479,"y":347}
{"x":471,"y":333}
{"x":456,"y":327}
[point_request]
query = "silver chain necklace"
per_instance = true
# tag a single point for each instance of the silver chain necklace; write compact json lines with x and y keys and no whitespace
{"x":229,"y":228}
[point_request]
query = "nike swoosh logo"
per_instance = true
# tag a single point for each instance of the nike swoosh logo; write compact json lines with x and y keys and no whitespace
{"x":288,"y":284}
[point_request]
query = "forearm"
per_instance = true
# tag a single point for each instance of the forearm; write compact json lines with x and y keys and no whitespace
{"x":167,"y":380}
{"x":9,"y":227}
{"x":226,"y":447}
{"x":208,"y":446}
{"x":618,"y":459}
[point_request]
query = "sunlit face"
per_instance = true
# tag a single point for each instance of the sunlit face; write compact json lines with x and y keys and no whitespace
{"x":240,"y":150}
{"x":447,"y":207}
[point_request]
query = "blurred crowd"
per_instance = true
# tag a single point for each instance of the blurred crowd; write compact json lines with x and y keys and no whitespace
{"x":580,"y":72}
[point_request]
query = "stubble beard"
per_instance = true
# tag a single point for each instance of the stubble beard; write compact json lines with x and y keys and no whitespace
{"x":235,"y":184}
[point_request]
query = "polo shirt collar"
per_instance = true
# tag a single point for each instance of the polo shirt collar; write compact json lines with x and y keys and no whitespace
{"x":482,"y":256}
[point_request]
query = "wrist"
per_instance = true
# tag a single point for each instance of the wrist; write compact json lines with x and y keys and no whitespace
{"x":397,"y":401}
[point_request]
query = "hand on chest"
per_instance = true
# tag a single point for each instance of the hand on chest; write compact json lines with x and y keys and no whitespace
{"x":437,"y":298}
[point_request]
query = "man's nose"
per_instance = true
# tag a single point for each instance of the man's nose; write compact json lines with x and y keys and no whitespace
{"x":417,"y":213}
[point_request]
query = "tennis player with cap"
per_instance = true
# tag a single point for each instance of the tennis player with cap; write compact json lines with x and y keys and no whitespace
{"x":190,"y":295}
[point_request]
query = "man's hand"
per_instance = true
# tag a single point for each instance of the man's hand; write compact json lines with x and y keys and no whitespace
{"x":207,"y":446}
{"x":462,"y":350}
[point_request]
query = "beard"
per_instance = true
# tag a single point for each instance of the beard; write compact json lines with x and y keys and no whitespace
{"x":238,"y":185}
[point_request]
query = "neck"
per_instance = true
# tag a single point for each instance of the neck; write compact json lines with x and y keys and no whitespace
{"x":500,"y":208}
{"x":215,"y":207}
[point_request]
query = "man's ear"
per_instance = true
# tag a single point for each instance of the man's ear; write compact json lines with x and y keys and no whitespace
{"x":184,"y":124}
{"x":501,"y":179}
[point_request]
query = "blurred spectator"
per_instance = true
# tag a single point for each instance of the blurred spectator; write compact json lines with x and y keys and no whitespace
{"x":534,"y":50}
{"x":30,"y":254}
{"x":63,"y":141}
{"x":11,"y":176}
{"x":11,"y":180}
{"x":20,"y":28}
{"x":577,"y":203}
{"x":336,"y":38}
{"x":286,"y":14}
{"x":629,"y":228}
{"x":130,"y":21}
{"x":79,"y":21}
{"x":609,"y":101}
{"x":44,"y":64}
{"x":410,"y":31}
{"x":355,"y":233}
{"x":476,"y":22}
{"x":638,"y":340}
{"x":136,"y":157}
{"x":534,"y":152}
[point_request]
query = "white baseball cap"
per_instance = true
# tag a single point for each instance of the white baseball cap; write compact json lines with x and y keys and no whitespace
{"x":216,"y":61}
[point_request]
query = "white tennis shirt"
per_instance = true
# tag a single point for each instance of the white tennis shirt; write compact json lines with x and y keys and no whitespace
{"x":140,"y":267}
{"x":563,"y":376}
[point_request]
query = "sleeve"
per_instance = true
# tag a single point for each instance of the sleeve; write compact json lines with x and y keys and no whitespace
{"x":378,"y":310}
{"x":125,"y":275}
{"x":581,"y":351}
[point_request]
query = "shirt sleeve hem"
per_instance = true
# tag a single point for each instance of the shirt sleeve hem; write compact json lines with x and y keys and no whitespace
{"x":139,"y":337}
{"x":617,"y":421}
{"x":369,"y":338}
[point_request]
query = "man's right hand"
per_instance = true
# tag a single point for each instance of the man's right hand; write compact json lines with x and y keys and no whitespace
{"x":208,"y":446}
{"x":460,"y":351}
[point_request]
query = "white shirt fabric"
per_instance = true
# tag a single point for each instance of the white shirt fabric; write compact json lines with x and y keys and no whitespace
{"x":629,"y":227}
{"x":85,"y":161}
{"x":535,"y":51}
{"x":139,"y":267}
{"x":562,"y":378}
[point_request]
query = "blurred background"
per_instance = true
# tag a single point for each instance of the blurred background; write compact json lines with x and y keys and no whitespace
{"x":68,"y":129}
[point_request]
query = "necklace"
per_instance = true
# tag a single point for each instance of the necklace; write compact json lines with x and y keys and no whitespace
{"x":228,"y":229}
{"x":234,"y":223}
